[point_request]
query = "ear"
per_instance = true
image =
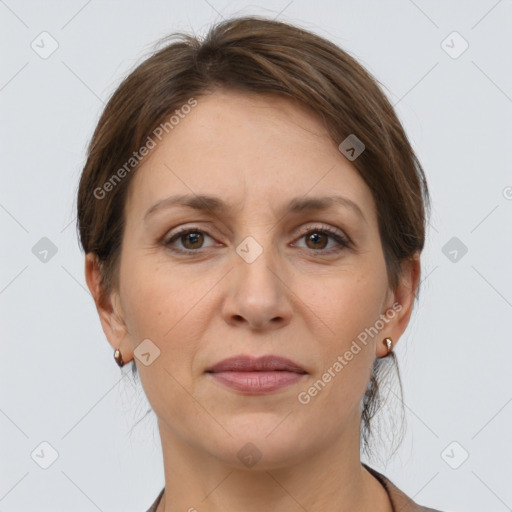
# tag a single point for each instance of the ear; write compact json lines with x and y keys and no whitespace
{"x":109,"y":309}
{"x":400,"y":302}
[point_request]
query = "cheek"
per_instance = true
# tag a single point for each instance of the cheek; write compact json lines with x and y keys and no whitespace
{"x":162,"y":305}
{"x":348,"y":302}
{"x":354,"y":304}
{"x":348,"y":306}
{"x":153,"y":298}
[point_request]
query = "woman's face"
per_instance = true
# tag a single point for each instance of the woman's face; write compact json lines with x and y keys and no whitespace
{"x":253,"y":277}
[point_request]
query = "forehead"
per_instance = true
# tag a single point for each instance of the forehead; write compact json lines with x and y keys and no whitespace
{"x":246,"y":147}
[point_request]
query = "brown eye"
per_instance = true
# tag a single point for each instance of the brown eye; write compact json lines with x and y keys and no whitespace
{"x":317,"y":239}
{"x":194,"y":238}
{"x":190,"y":239}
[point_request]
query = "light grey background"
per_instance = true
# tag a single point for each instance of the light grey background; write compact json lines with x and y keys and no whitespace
{"x":59,"y":383}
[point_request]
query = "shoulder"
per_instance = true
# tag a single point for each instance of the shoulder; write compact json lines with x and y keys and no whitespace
{"x":156,"y":502}
{"x":400,"y":501}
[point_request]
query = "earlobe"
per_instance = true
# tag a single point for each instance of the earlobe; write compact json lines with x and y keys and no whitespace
{"x":108,"y":307}
{"x":401,"y":303}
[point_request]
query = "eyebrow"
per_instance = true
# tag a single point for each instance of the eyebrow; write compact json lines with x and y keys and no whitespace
{"x":217,"y":205}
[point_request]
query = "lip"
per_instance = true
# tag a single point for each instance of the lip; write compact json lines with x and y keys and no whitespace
{"x":268,"y":363}
{"x":256,"y":375}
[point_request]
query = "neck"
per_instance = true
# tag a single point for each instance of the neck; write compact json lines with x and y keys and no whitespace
{"x":327,"y":479}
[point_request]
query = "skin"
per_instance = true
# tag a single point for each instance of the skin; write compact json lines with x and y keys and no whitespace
{"x":256,"y":152}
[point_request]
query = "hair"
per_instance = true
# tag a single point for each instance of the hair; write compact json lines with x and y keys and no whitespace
{"x":256,"y":55}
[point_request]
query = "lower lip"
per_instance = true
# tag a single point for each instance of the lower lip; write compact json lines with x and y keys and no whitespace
{"x":257,"y":382}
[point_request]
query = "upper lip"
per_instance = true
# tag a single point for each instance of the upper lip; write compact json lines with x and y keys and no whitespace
{"x":266,"y":363}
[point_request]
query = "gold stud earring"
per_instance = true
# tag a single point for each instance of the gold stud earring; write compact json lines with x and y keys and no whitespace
{"x":118,"y":358}
{"x":389,"y":344}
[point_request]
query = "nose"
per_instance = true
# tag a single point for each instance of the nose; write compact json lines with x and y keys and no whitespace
{"x":258,"y":295}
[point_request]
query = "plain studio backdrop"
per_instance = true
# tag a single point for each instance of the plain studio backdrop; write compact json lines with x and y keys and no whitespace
{"x":67,"y":410}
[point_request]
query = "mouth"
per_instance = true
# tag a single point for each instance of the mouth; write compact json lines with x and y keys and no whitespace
{"x":251,"y":375}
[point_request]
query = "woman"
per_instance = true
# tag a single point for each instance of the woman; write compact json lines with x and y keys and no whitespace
{"x":253,"y":215}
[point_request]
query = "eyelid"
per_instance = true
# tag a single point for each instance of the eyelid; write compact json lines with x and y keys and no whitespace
{"x":324,"y":227}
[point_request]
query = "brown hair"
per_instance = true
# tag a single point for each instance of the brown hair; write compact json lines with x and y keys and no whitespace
{"x":257,"y":55}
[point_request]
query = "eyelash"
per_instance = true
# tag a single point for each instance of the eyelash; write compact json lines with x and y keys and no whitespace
{"x":343,"y":242}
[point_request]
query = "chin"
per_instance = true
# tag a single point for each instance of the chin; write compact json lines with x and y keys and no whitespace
{"x":261,"y":442}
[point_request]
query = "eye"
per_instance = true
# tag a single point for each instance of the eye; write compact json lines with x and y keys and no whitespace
{"x":317,"y":239}
{"x":191,"y":238}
